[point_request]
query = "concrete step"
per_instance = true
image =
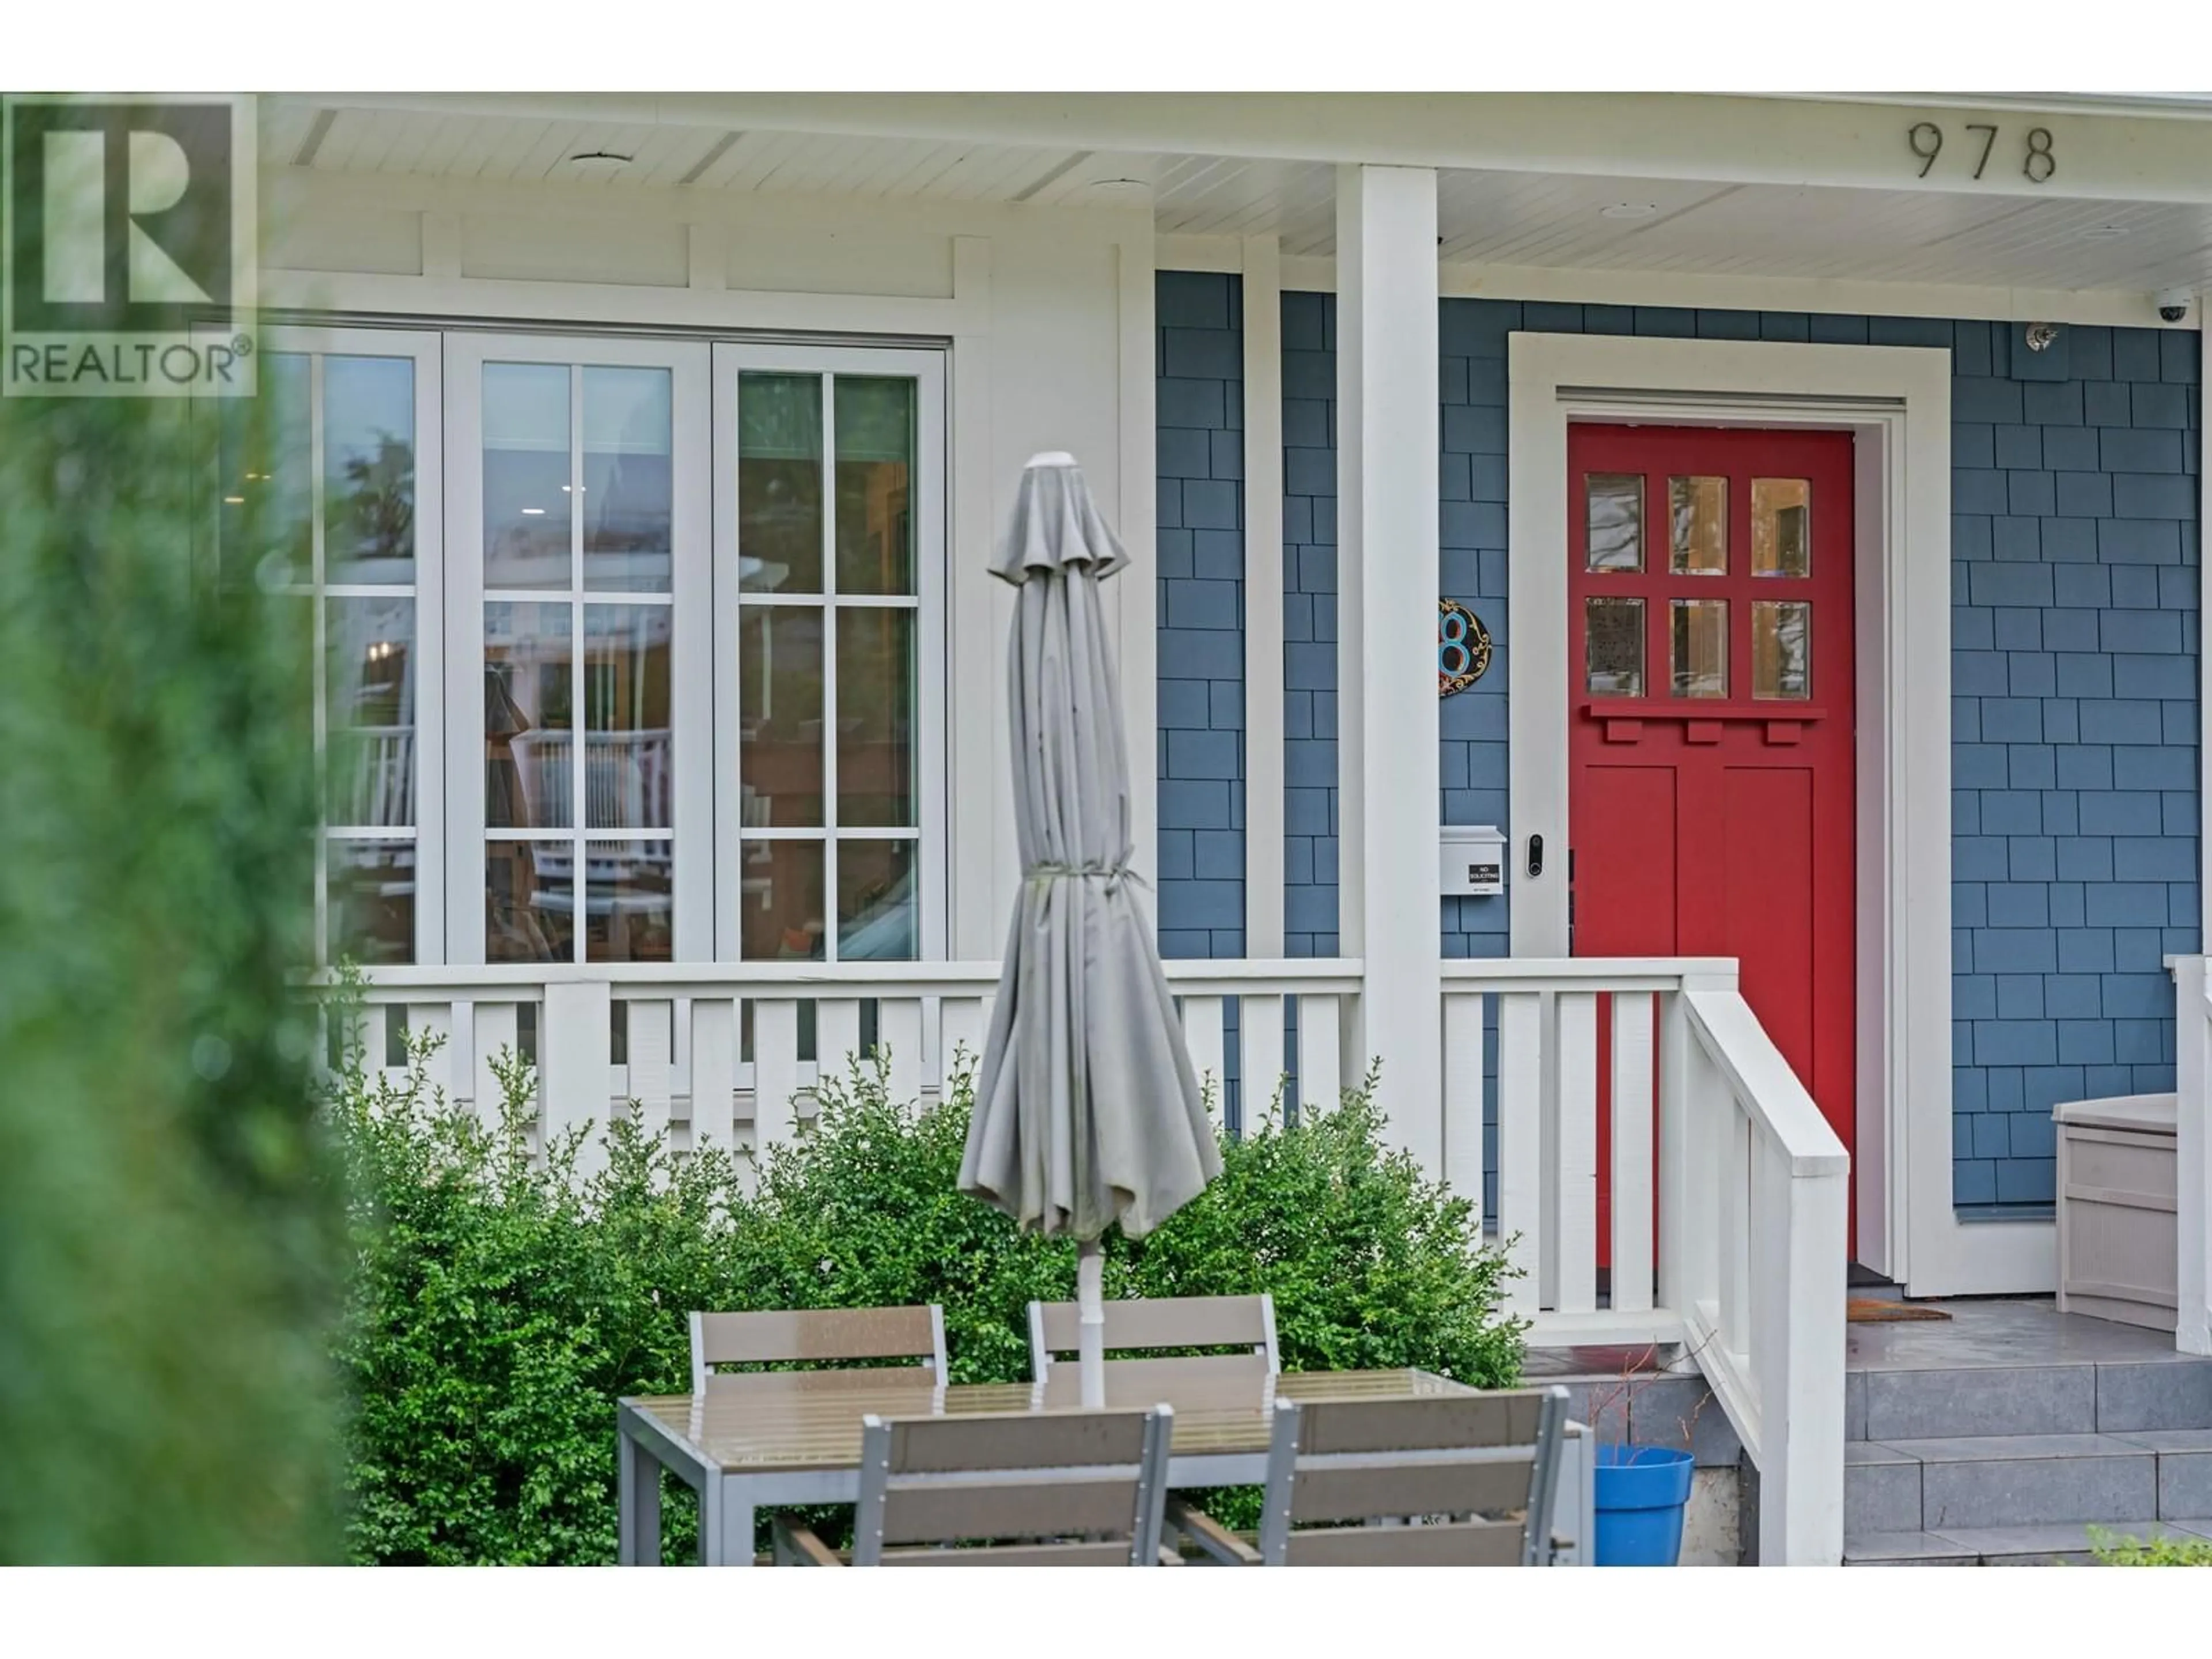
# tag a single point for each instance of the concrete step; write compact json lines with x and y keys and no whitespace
{"x":2069,"y":1397}
{"x":2003,"y":1546}
{"x":2009,"y":1480}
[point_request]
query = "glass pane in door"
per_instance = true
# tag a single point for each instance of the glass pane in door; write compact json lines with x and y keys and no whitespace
{"x":1697,"y":521}
{"x":628,"y":484}
{"x":1700,"y":650}
{"x":875,"y":484}
{"x":368,"y":469}
{"x":529,"y":719}
{"x":527,"y":487}
{"x":1781,"y":527}
{"x":1613,"y":647}
{"x":780,"y":483}
{"x":1781,"y":648}
{"x":1615,"y":505}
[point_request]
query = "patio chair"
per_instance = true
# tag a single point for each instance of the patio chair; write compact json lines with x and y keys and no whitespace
{"x":1179,"y":1322}
{"x":829,"y":1335}
{"x":1050,"y":1489}
{"x":1447,"y":1480}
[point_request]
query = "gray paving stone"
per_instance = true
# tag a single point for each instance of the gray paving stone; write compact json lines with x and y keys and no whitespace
{"x":2169,"y":1395}
{"x":2024,"y":1480}
{"x":1881,"y":1489}
{"x":1855,"y":1405}
{"x":1904,"y":1549}
{"x":1916,"y":1405}
{"x":2038,"y":1545}
{"x":2184,"y":1469}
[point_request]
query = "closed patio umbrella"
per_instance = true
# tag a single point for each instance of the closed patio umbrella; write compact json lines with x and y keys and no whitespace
{"x":1087,"y":1111}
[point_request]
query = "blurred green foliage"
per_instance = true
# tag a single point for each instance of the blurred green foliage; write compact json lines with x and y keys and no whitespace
{"x":504,"y":1301}
{"x":167,"y":1222}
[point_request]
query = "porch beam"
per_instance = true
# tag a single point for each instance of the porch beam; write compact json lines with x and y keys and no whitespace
{"x":2150,"y":155}
{"x":1387,"y":585}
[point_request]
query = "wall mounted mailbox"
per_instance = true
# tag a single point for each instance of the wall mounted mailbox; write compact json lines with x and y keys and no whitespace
{"x":1473,"y":863}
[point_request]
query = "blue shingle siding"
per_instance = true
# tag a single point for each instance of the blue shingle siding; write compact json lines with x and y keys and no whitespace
{"x":1199,"y":420}
{"x":2073,"y":720}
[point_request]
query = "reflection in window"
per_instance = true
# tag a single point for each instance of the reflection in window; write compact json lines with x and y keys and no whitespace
{"x":1696,"y":520}
{"x":628,"y":765}
{"x":1615,"y":503}
{"x":369,"y":761}
{"x":629,"y":910}
{"x":1781,"y":527}
{"x":1700,"y":635}
{"x":811,"y":759}
{"x":1613,"y":647}
{"x":628,"y":483}
{"x":527,"y":487}
{"x":1781,"y":648}
{"x":529,"y":765}
{"x":780,"y":483}
{"x":351,"y":570}
{"x":368,"y":468}
{"x":529,"y":901}
{"x":780,"y":913}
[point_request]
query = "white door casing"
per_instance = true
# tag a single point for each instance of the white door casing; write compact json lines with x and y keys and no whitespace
{"x":1895,"y":401}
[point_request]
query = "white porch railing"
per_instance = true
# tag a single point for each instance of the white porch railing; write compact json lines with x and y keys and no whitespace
{"x":2192,"y":1154}
{"x":1726,"y":1219}
{"x":1725,"y":1222}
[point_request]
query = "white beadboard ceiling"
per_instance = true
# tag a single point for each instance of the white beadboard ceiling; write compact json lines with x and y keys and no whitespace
{"x":1518,"y":219}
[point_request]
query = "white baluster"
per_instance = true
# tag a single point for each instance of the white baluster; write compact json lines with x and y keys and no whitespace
{"x":1321,"y":1052}
{"x":898,"y":1023}
{"x":433,"y":1020}
{"x":1632,"y":1151}
{"x":1259,"y":1041}
{"x":837,"y":1037}
{"x":775,"y":1072}
{"x":1521,"y":1142}
{"x":713,"y":1072}
{"x":498,"y":1027}
{"x":574,"y":1042}
{"x":1204,"y":1036}
{"x":1463,"y":1159}
{"x":652,"y":1064}
{"x":960,"y":1040}
{"x":1577,"y":1164}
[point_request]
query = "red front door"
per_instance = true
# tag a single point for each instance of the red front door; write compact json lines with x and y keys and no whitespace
{"x":1711,"y":732}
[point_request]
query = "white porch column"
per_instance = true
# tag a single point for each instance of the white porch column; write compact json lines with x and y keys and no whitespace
{"x":1387,"y":587}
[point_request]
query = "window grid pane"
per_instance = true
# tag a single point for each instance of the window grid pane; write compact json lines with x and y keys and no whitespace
{"x":1613,"y":647}
{"x":1697,"y":526}
{"x":1781,"y":527}
{"x":1700,"y":653}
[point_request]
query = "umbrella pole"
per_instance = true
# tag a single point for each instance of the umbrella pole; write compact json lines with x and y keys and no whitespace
{"x":1091,"y":1320}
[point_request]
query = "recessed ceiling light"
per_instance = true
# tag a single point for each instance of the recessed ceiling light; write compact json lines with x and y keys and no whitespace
{"x":2103,"y":233}
{"x":598,"y":161}
{"x":1629,"y":211}
{"x":1121,"y":190}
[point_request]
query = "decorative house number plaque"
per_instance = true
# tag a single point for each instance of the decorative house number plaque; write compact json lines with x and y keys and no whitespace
{"x":1462,"y":648}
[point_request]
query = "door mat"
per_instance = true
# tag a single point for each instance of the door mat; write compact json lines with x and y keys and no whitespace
{"x":1870,"y":1310}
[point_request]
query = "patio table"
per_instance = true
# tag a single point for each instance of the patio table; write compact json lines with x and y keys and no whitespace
{"x":770,"y":1440}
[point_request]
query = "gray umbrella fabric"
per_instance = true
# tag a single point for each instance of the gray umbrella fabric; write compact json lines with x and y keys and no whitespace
{"x":1087,"y":1110}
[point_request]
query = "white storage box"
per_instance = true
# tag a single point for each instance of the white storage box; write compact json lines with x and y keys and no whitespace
{"x":2118,"y":1257}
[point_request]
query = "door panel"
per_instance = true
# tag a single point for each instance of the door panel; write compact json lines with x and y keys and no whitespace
{"x":1710,"y":738}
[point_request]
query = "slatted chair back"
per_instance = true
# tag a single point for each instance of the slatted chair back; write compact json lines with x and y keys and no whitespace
{"x":1162,"y":1322}
{"x":1075,"y":1489}
{"x":822,"y":1335}
{"x":1473,"y":1475}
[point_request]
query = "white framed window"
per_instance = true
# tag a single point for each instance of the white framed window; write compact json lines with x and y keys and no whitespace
{"x":829,"y":653}
{"x":337,"y":467}
{"x":578,"y":628}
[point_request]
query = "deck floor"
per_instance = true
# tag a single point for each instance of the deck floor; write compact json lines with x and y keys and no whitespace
{"x":1989,"y":1333}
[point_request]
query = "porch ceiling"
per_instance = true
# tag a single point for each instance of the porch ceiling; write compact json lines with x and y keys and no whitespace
{"x":1550,"y":220}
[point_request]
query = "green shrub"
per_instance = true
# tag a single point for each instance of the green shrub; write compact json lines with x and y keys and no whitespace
{"x":501,"y":1305}
{"x":168,"y":1222}
{"x":2112,"y":1551}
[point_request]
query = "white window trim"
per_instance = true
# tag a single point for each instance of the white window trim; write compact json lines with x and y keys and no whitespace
{"x":932,"y":656}
{"x":1896,"y":402}
{"x":691,"y":690}
{"x":423,"y":348}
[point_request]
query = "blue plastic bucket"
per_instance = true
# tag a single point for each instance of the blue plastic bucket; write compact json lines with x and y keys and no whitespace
{"x":1641,"y":1491}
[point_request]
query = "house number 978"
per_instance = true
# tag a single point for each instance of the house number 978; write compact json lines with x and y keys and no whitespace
{"x":2037,"y":162}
